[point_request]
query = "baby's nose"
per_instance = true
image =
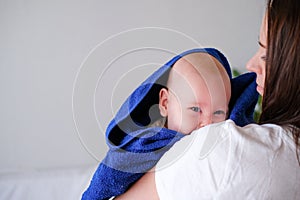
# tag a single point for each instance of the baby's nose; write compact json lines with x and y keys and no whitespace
{"x":205,"y":121}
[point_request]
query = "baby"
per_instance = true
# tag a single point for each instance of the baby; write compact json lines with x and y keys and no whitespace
{"x":191,"y":90}
{"x":197,"y":93}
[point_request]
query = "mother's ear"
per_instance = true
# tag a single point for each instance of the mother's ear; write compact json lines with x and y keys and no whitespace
{"x":163,"y":102}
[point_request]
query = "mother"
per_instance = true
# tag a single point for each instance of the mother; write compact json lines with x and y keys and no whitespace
{"x":255,"y":161}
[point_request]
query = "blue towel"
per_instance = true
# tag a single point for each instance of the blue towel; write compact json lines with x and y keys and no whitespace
{"x":134,"y":147}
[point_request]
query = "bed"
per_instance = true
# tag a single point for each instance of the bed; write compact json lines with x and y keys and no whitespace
{"x":47,"y":184}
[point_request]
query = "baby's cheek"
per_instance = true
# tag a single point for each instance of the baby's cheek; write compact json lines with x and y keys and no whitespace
{"x":189,"y":125}
{"x":219,"y":119}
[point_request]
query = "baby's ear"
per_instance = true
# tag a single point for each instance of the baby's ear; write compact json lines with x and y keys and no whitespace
{"x":163,"y":102}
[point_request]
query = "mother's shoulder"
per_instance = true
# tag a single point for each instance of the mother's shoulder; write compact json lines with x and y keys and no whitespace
{"x":266,"y":134}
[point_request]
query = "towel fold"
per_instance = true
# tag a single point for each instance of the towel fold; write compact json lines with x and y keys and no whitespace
{"x":134,"y":147}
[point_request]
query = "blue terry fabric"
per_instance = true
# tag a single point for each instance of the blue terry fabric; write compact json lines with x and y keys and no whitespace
{"x":243,"y":99}
{"x":134,"y":148}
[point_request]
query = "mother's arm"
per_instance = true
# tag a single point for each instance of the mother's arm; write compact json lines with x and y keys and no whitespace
{"x":144,"y":189}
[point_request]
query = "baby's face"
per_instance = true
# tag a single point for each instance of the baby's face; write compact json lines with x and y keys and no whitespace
{"x":197,"y":96}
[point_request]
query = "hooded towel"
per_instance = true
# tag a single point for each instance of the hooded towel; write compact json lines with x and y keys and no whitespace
{"x":135,"y":147}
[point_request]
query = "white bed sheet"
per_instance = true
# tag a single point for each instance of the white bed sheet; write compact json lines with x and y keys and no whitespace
{"x":56,"y":184}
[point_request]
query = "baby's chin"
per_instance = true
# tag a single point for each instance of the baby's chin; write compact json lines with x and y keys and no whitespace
{"x":187,"y":132}
{"x":184,"y":131}
{"x":181,"y":131}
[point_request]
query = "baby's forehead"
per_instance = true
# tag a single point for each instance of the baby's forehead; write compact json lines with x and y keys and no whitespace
{"x":199,"y":70}
{"x":200,"y":62}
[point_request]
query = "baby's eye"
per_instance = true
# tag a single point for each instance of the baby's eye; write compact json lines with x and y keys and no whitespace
{"x":219,"y":112}
{"x":196,"y":109}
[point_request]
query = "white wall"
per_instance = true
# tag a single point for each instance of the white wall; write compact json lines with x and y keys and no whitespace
{"x":44,"y":48}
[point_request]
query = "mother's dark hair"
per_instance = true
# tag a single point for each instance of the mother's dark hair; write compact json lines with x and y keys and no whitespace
{"x":281,"y":101}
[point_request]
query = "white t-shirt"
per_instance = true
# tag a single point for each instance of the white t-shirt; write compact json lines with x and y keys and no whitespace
{"x":224,"y":161}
